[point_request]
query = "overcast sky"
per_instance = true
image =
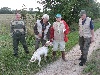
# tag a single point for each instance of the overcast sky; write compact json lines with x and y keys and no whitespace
{"x":17,"y":4}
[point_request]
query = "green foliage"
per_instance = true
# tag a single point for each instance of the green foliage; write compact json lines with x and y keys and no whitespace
{"x":5,"y":10}
{"x":96,"y":25}
{"x":73,"y":40}
{"x":70,"y":9}
{"x":93,"y":65}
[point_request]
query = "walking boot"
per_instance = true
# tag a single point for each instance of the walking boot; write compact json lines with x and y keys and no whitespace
{"x":63,"y":55}
{"x":54,"y":55}
{"x":83,"y":61}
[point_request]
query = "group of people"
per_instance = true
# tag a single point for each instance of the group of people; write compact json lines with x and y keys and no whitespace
{"x":56,"y":33}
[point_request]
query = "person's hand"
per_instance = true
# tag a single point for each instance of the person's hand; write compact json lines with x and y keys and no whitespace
{"x":51,"y":40}
{"x":40,"y":35}
{"x":64,"y":30}
{"x":92,"y":39}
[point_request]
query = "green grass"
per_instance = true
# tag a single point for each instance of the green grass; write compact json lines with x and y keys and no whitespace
{"x":10,"y":65}
{"x":72,"y":40}
{"x":93,"y":65}
{"x":96,"y":25}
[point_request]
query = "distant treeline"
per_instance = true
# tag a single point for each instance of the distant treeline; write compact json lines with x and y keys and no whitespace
{"x":7,"y":10}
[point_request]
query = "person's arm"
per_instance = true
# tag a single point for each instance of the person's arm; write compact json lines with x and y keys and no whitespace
{"x":35,"y":29}
{"x":66,"y":31}
{"x":51,"y":33}
{"x":11,"y":28}
{"x":48,"y":34}
{"x":24,"y":27}
{"x":92,"y":31}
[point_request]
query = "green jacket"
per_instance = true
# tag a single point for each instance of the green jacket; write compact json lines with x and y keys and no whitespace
{"x":18,"y":27}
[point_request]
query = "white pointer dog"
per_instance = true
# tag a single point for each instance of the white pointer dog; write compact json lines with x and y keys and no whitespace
{"x":40,"y":51}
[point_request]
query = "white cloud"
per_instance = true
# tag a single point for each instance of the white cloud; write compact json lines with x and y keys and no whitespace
{"x":98,"y":1}
{"x":17,"y":4}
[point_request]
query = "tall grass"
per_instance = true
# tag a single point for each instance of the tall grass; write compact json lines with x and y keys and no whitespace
{"x":93,"y":65}
{"x":10,"y":65}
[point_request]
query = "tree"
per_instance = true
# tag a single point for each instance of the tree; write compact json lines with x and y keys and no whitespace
{"x":70,"y":8}
{"x":30,"y":11}
{"x":5,"y":10}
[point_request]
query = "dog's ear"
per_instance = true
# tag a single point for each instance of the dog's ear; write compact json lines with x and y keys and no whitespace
{"x":48,"y":42}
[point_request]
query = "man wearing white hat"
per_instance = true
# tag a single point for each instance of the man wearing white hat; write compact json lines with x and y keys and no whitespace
{"x":41,"y":30}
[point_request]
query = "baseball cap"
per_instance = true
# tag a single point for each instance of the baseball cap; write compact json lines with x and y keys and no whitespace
{"x":58,"y":16}
{"x":82,"y":12}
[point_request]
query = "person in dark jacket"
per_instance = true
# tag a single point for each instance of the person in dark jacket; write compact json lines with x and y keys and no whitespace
{"x":18,"y":31}
{"x":42,"y":31}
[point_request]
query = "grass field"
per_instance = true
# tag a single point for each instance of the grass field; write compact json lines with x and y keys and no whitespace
{"x":93,"y":65}
{"x":10,"y":65}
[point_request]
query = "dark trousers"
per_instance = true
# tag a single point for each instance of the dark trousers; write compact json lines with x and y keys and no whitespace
{"x":16,"y":41}
{"x":37,"y":43}
{"x":84,"y":44}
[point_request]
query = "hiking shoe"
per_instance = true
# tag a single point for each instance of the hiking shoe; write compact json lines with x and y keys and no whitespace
{"x":82,"y":62}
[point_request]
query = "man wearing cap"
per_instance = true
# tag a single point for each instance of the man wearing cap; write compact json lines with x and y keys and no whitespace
{"x":18,"y":31}
{"x":86,"y":35}
{"x":58,"y":33}
{"x":42,"y":31}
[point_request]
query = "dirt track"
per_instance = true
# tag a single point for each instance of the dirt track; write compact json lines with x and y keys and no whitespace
{"x":71,"y":67}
